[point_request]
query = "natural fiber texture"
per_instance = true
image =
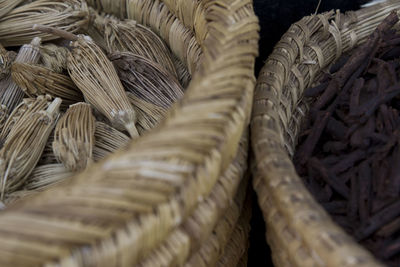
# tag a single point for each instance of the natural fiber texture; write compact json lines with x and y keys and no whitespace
{"x":11,"y":94}
{"x":245,"y":258}
{"x":7,"y":5}
{"x":130,"y":36}
{"x":115,"y":7}
{"x":6,"y":59}
{"x":147,"y":80}
{"x":183,"y":75}
{"x":37,"y":80}
{"x":127,"y":204}
{"x":213,"y":247}
{"x":54,"y":57}
{"x":198,"y":227}
{"x":47,"y":175}
{"x":148,"y":114}
{"x":300,"y":232}
{"x":48,"y":156}
{"x":74,"y":137}
{"x":25,"y":143}
{"x":107,"y":140}
{"x":16,"y":26}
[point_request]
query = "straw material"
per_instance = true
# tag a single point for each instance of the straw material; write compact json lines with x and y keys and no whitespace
{"x":37,"y":80}
{"x":6,"y":59}
{"x":25,"y":143}
{"x":127,"y":204}
{"x":7,"y":5}
{"x":54,"y":57}
{"x":74,"y":137}
{"x":11,"y":94}
{"x":107,"y":140}
{"x":147,"y":80}
{"x":47,"y":175}
{"x":183,"y":74}
{"x":300,"y":232}
{"x":16,"y":26}
{"x":129,"y":36}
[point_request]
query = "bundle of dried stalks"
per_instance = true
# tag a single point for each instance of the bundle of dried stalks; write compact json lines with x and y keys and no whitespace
{"x":54,"y":57}
{"x":47,"y":175}
{"x":36,"y":80}
{"x":25,"y":143}
{"x":48,"y":156}
{"x":13,"y":197}
{"x":6,"y":58}
{"x":16,"y":114}
{"x":11,"y":94}
{"x":95,"y":76}
{"x":115,"y":7}
{"x":107,"y":140}
{"x":146,"y":79}
{"x":148,"y":115}
{"x":16,"y":26}
{"x":129,"y":36}
{"x":7,"y":5}
{"x":74,"y":137}
{"x":183,"y":73}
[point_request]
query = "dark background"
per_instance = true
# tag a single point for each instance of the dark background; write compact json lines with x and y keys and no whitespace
{"x":275,"y":18}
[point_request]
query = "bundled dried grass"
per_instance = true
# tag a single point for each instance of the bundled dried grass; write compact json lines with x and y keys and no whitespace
{"x":11,"y":94}
{"x":147,"y":80}
{"x":6,"y":58}
{"x":115,"y":7}
{"x":47,"y":175}
{"x":74,"y":137}
{"x":13,"y":197}
{"x":36,"y":80}
{"x":96,"y":77}
{"x":3,"y":116}
{"x":48,"y":156}
{"x":183,"y":73}
{"x":129,"y":36}
{"x":7,"y":5}
{"x":25,"y":143}
{"x":16,"y":26}
{"x":148,"y":115}
{"x":54,"y":57}
{"x":107,"y":140}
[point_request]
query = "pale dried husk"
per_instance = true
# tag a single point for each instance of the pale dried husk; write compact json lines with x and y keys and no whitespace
{"x":74,"y":137}
{"x":7,"y":5}
{"x":147,"y":80}
{"x":54,"y":57}
{"x":107,"y":140}
{"x":47,"y":175}
{"x":96,"y":77}
{"x":37,"y":80}
{"x":130,"y":36}
{"x":16,"y":26}
{"x":11,"y":94}
{"x":25,"y":143}
{"x":6,"y":59}
{"x":148,"y":115}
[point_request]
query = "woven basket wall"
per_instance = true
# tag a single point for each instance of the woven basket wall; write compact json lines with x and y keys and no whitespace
{"x":299,"y":231}
{"x":176,"y":193}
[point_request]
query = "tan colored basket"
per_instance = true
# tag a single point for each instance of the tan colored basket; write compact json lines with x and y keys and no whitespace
{"x":299,"y":231}
{"x":138,"y":203}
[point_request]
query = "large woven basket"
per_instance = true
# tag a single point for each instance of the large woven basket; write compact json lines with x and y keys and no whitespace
{"x":299,"y":231}
{"x":176,"y":193}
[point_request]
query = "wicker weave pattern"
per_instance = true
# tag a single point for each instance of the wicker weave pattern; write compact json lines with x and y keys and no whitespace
{"x":299,"y":231}
{"x":117,"y":211}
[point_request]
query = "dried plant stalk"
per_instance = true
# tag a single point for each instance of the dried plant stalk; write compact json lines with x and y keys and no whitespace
{"x":36,"y":80}
{"x":48,"y":156}
{"x":130,"y":36}
{"x":47,"y":175}
{"x":12,"y":94}
{"x":183,"y":73}
{"x":146,"y":79}
{"x":25,"y":143}
{"x":148,"y":115}
{"x":13,"y":197}
{"x":96,"y":77}
{"x":107,"y":140}
{"x":16,"y":26}
{"x":115,"y":7}
{"x":74,"y":137}
{"x":54,"y":57}
{"x":6,"y":58}
{"x":3,"y":116}
{"x":7,"y":5}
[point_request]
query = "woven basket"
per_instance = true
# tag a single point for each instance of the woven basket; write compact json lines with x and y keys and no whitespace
{"x":299,"y":231}
{"x":159,"y":201}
